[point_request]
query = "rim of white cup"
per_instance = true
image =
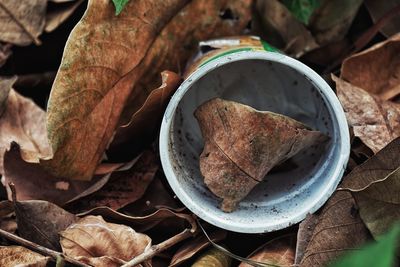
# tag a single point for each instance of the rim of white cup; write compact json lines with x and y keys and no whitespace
{"x":329,"y":97}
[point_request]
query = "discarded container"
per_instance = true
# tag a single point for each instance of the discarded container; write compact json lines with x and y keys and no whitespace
{"x":246,"y":70}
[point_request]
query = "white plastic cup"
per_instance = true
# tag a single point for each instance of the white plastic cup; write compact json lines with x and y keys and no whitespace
{"x":265,"y":81}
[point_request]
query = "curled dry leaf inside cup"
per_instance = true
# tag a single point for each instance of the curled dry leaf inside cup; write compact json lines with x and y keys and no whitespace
{"x":243,"y":144}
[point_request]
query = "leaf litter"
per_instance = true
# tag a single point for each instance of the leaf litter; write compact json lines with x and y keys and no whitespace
{"x":148,"y":46}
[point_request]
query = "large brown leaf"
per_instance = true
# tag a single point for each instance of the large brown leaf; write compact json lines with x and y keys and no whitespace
{"x":23,"y":122}
{"x":242,"y":145}
{"x":103,"y":59}
{"x":277,"y":252}
{"x":12,"y":256}
{"x":376,"y":122}
{"x":375,"y":186}
{"x":94,"y":241}
{"x":22,"y":21}
{"x":339,"y":228}
{"x":376,"y":69}
{"x":213,"y":257}
{"x":79,"y":133}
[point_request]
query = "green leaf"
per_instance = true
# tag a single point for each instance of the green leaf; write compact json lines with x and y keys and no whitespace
{"x":302,"y":9}
{"x":380,"y":254}
{"x":119,"y":5}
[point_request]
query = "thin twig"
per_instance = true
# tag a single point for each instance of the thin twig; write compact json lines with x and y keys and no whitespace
{"x":155,"y":249}
{"x":42,"y":250}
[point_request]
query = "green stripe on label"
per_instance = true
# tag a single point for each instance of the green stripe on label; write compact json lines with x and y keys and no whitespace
{"x":226,"y":53}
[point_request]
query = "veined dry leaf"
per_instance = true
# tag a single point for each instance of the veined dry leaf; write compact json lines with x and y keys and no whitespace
{"x":90,"y":89}
{"x":12,"y":256}
{"x":242,"y":145}
{"x":41,"y":221}
{"x":375,"y":186}
{"x":332,"y":19}
{"x":23,"y":122}
{"x":22,"y":21}
{"x":376,"y":69}
{"x":304,"y":234}
{"x":97,"y":242}
{"x":277,"y":18}
{"x":5,"y":52}
{"x":80,"y":132}
{"x":339,"y":228}
{"x":192,"y":247}
{"x":140,"y":223}
{"x":213,"y":257}
{"x":378,"y":8}
{"x":61,"y":13}
{"x":5,"y":88}
{"x":376,"y":122}
{"x":141,"y":126}
{"x":33,"y":182}
{"x":123,"y":188}
{"x":277,"y":252}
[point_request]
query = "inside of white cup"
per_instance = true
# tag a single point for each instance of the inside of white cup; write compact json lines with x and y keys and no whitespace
{"x":263,"y":85}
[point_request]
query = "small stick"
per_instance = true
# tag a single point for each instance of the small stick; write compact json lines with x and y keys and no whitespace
{"x":155,"y":249}
{"x":42,"y":250}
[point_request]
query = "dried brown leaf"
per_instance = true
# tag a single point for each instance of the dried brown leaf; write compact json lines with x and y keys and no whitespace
{"x":33,"y":182}
{"x":60,"y":14}
{"x":277,"y":252}
{"x":94,"y":241}
{"x":376,"y":69}
{"x":41,"y":221}
{"x":304,"y":234}
{"x":12,"y":256}
{"x":375,"y":186}
{"x":23,"y":122}
{"x":332,"y":19}
{"x":80,"y":133}
{"x":90,"y":89}
{"x":123,"y":188}
{"x":5,"y":88}
{"x":277,"y":18}
{"x":22,"y":21}
{"x":339,"y":229}
{"x":242,"y":145}
{"x":145,"y":121}
{"x":192,"y":247}
{"x":376,"y":122}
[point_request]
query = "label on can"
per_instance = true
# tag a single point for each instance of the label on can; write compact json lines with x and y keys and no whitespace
{"x":213,"y":49}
